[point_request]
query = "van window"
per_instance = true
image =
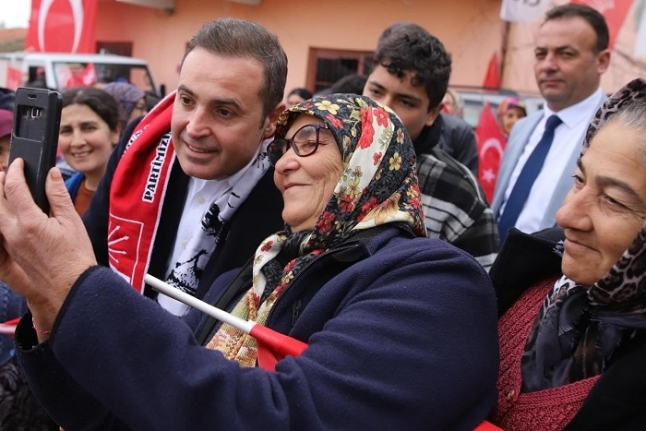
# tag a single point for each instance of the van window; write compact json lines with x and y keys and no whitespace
{"x":70,"y":75}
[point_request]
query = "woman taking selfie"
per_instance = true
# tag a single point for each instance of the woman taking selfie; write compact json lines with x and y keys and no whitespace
{"x":573,"y":325}
{"x":401,"y":329}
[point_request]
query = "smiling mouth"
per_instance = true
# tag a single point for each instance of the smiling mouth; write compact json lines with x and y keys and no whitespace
{"x":81,"y":155}
{"x":199,"y":150}
{"x":576,"y":246}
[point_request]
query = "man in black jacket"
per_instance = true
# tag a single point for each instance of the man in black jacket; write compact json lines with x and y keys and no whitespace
{"x":411,"y":75}
{"x":207,"y":196}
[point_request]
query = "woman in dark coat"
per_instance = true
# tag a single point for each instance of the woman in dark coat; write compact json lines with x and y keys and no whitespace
{"x":400,"y":329}
{"x":573,"y":325}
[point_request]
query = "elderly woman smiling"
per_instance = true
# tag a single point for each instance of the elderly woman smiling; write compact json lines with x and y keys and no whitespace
{"x":574,"y":359}
{"x":401,"y":329}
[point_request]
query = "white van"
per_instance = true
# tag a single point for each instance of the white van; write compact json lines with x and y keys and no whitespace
{"x":474,"y":99}
{"x":60,"y":71}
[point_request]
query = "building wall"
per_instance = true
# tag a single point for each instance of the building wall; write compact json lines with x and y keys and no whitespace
{"x":470,"y":29}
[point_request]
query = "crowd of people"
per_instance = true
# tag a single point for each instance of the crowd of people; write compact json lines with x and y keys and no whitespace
{"x":350,"y":221}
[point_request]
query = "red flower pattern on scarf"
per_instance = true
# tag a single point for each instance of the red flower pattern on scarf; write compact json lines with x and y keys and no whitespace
{"x":368,"y":131}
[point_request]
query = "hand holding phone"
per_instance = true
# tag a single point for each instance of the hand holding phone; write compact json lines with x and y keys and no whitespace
{"x":36,"y":121}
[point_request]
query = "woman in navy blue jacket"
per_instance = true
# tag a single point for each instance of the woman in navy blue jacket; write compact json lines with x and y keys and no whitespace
{"x":401,"y":330}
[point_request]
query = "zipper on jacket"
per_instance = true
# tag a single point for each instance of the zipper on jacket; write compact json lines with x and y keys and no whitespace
{"x":296,"y":311}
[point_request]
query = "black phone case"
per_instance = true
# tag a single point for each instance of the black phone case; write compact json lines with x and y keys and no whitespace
{"x":37,"y":119}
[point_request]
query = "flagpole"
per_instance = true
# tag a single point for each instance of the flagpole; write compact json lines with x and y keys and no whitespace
{"x":504,"y":49}
{"x":280,"y":344}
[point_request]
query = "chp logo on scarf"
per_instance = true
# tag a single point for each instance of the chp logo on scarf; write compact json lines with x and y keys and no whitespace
{"x":62,"y":26}
{"x":491,"y":145}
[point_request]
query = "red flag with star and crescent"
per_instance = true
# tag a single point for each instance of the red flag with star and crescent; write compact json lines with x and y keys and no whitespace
{"x":491,"y":144}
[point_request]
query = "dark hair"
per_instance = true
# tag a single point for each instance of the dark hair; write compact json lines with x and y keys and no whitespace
{"x":352,"y":84}
{"x":589,"y":15}
{"x":99,"y":101}
{"x":231,"y":37}
{"x":404,"y":47}
{"x":303,"y":93}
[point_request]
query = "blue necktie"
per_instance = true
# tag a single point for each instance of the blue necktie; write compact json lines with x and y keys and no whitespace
{"x":526,"y":179}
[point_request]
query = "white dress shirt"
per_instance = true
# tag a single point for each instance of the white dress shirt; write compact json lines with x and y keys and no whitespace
{"x":576,"y":119}
{"x":201,"y":194}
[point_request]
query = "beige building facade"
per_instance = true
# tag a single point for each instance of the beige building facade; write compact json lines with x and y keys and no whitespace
{"x":470,"y":29}
{"x":340,"y":35}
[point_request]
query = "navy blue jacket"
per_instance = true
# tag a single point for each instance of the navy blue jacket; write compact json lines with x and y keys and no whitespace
{"x":404,"y":338}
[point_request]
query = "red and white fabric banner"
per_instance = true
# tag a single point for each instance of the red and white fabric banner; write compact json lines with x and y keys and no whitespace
{"x":491,"y":145}
{"x":523,"y":10}
{"x":62,"y":26}
{"x":614,"y":11}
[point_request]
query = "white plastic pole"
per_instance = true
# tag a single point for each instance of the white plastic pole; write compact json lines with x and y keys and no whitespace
{"x":192,"y":301}
{"x":7,"y":329}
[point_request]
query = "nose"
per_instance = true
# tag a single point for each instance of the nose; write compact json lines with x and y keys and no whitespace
{"x":199,"y":123}
{"x":574,"y":213}
{"x":288,"y":162}
{"x":547,"y":63}
{"x":78,"y":138}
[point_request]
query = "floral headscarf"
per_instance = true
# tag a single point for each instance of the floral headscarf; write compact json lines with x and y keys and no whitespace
{"x":578,"y":328}
{"x":511,"y":102}
{"x":378,"y":186}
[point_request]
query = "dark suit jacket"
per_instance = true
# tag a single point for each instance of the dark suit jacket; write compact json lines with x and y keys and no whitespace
{"x":257,"y":218}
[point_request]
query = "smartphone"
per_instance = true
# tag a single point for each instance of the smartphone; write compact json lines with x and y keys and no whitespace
{"x":36,"y":120}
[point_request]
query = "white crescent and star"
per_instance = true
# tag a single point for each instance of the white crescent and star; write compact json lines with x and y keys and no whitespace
{"x":490,"y":144}
{"x":77,"y":14}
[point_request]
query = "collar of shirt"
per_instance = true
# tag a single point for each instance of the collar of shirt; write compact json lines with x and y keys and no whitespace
{"x":573,"y":115}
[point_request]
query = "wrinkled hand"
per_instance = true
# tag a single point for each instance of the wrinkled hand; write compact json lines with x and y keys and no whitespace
{"x":41,"y":257}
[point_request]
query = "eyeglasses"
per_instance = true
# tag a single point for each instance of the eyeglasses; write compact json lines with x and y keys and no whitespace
{"x":304,"y":142}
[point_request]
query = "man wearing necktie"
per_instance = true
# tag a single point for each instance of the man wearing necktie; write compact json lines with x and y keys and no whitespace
{"x":571,"y":54}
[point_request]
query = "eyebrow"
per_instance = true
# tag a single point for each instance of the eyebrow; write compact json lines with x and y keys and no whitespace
{"x":82,"y":123}
{"x":558,"y":48}
{"x":399,"y":95}
{"x":605,"y":181}
{"x":231,"y":102}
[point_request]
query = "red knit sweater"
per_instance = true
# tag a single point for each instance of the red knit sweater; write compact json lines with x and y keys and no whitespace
{"x":549,"y":409}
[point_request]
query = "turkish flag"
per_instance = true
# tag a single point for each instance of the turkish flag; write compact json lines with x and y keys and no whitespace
{"x":62,"y":26}
{"x":492,"y":78}
{"x":14,"y":78}
{"x":491,"y":144}
{"x":614,"y":12}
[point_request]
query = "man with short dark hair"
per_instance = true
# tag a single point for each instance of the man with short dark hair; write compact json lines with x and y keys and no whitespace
{"x":189,"y":192}
{"x":536,"y":171}
{"x":411,"y":76}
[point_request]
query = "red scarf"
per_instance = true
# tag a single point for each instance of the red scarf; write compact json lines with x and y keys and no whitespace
{"x":137,"y":193}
